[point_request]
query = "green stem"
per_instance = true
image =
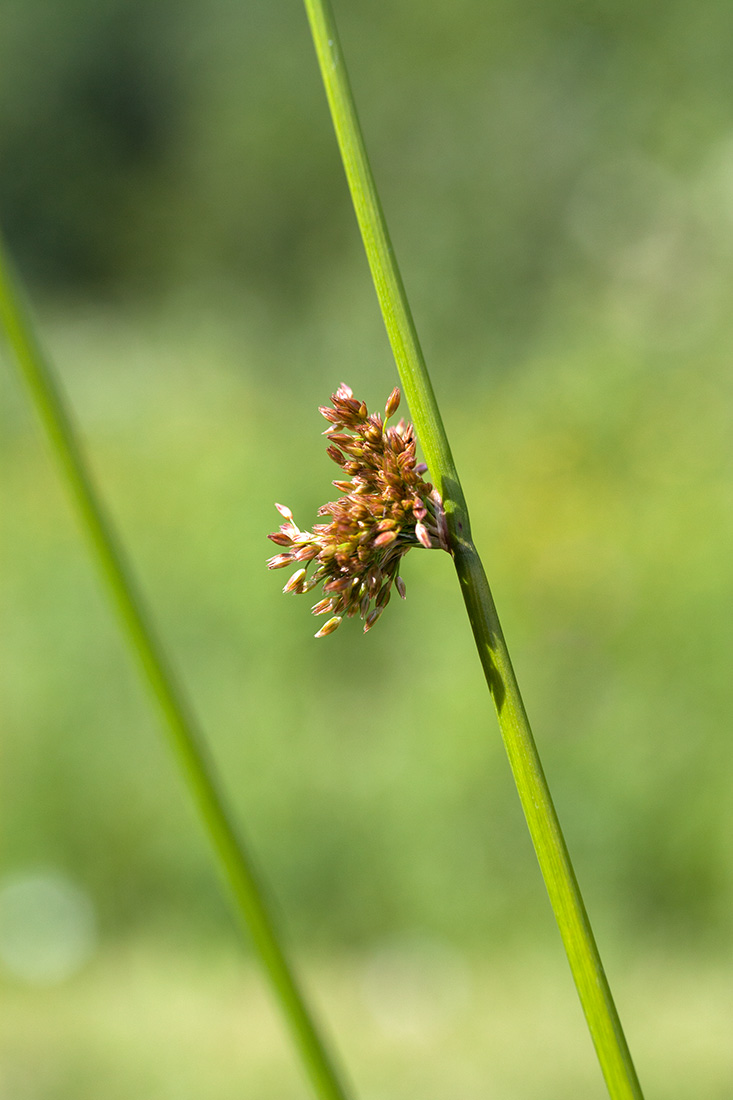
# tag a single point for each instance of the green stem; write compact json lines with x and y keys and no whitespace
{"x":185,"y":736}
{"x":544,"y":827}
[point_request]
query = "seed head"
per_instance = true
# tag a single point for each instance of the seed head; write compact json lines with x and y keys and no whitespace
{"x":385,"y":509}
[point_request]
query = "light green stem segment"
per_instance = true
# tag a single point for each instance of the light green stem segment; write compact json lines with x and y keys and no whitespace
{"x":185,"y":735}
{"x":544,"y":827}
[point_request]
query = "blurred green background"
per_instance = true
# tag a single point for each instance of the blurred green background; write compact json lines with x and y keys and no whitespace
{"x":558,"y":179}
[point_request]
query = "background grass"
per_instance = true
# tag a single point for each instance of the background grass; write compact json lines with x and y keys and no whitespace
{"x":557,"y":184}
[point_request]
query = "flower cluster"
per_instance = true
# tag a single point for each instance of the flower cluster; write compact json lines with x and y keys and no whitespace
{"x":386,"y":509}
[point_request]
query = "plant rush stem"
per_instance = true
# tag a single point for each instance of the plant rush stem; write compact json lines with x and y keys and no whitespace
{"x":544,"y":827}
{"x":185,"y":736}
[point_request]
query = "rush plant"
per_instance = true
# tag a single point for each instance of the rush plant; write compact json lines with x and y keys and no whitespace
{"x":552,"y":854}
{"x":385,"y":508}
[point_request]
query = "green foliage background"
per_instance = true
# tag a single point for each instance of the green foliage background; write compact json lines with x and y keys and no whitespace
{"x":558,"y":182}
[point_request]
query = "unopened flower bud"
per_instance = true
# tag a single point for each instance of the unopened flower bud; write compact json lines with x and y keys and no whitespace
{"x":423,"y":537}
{"x":383,"y":596}
{"x":371,"y":619}
{"x":295,"y":584}
{"x":392,"y":403}
{"x":335,"y":454}
{"x":329,"y":627}
{"x":279,"y":561}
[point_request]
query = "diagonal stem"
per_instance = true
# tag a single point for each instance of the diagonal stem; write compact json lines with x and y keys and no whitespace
{"x":185,"y":736}
{"x":552,"y":854}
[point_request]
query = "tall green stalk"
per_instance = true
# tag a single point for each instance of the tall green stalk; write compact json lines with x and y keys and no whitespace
{"x":185,"y":735}
{"x":544,"y":827}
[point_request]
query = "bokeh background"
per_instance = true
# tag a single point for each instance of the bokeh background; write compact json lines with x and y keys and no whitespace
{"x":558,"y":179}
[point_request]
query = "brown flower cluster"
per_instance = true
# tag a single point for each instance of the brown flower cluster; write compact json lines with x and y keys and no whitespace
{"x":386,"y":509}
